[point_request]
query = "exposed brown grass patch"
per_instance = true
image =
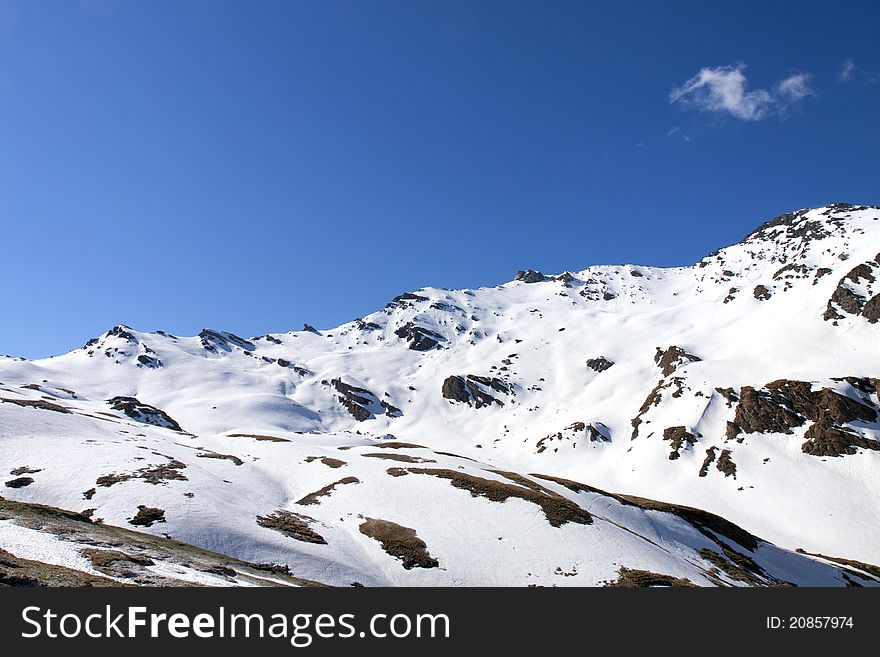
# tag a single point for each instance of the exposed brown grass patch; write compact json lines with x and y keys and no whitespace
{"x":292,"y":525}
{"x":557,"y":509}
{"x":870,"y":569}
{"x":403,"y":458}
{"x":147,"y":516}
{"x":207,"y":454}
{"x":156,"y":474}
{"x":259,"y":437}
{"x":400,"y":542}
{"x":37,"y":403}
{"x":114,"y":562}
{"x":632,"y":578}
{"x":704,"y":521}
{"x":326,"y":491}
{"x":329,"y":461}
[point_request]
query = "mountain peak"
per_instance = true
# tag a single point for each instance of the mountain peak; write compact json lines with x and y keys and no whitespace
{"x":807,"y":223}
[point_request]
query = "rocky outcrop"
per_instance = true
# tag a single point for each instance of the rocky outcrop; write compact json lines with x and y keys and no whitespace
{"x":574,"y":433}
{"x":419,"y":337}
{"x":678,"y":437}
{"x":826,"y":439}
{"x":599,"y":364}
{"x":530,"y":276}
{"x":216,"y":341}
{"x":151,"y":362}
{"x":145,"y":413}
{"x":761,"y":292}
{"x":474,"y":390}
{"x":851,"y":296}
{"x":783,"y":405}
{"x":390,"y":410}
{"x":673,"y":358}
{"x":405,"y":300}
{"x":725,"y":464}
{"x":871,"y":309}
{"x":356,"y":400}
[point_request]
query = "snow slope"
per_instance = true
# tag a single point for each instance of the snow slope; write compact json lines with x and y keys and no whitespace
{"x":745,"y":385}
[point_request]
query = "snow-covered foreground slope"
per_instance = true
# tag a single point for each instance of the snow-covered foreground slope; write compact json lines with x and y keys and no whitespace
{"x":745,"y":385}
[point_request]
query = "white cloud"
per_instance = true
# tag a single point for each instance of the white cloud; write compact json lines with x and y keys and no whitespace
{"x":724,"y":90}
{"x":846,"y":70}
{"x":795,"y":88}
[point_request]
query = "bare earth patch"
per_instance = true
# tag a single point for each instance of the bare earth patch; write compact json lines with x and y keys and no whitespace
{"x":557,"y":509}
{"x":326,"y":491}
{"x":632,"y":578}
{"x":207,"y":454}
{"x":293,"y":525}
{"x":403,"y":458}
{"x":259,"y":437}
{"x":37,"y":403}
{"x":400,"y":542}
{"x":147,"y":516}
{"x":156,"y":474}
{"x":329,"y":461}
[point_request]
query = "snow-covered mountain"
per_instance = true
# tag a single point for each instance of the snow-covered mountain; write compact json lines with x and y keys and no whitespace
{"x":439,"y":441}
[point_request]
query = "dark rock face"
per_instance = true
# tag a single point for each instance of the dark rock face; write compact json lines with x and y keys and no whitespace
{"x":597,"y":433}
{"x":709,"y":460}
{"x":215,"y":341}
{"x":419,"y":337}
{"x":729,"y":395}
{"x":405,"y":300}
{"x":123,"y":332}
{"x":825,"y":439}
{"x":678,"y":437}
{"x":790,"y":226}
{"x":653,"y":399}
{"x":455,"y":389}
{"x":673,"y":358}
{"x":820,"y":272}
{"x":725,"y":464}
{"x":530,"y":276}
{"x":599,"y":364}
{"x":871,"y":310}
{"x":149,"y":361}
{"x":783,"y":405}
{"x":143,"y":412}
{"x":356,"y":400}
{"x":761,"y":292}
{"x":849,"y":301}
{"x":473,"y":390}
{"x":791,"y":270}
{"x":594,"y":432}
{"x":764,"y":412}
{"x":860,"y":273}
{"x":390,"y":411}
{"x":311,"y":329}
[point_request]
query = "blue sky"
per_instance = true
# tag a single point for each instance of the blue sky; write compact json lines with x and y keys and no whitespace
{"x":253,"y":166}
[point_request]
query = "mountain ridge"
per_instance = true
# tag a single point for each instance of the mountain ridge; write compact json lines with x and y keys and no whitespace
{"x":745,"y":385}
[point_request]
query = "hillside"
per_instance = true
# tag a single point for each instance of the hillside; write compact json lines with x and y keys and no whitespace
{"x":440,"y":440}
